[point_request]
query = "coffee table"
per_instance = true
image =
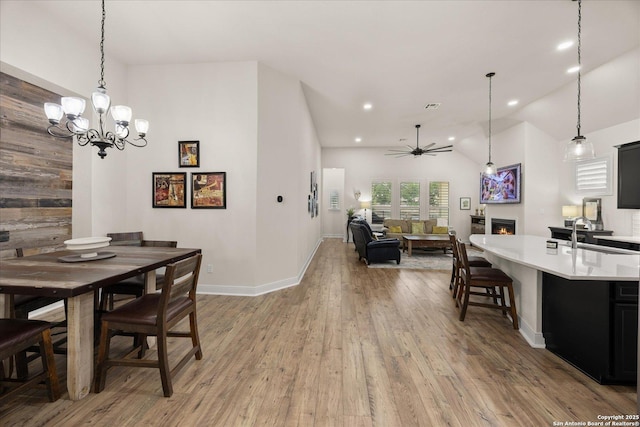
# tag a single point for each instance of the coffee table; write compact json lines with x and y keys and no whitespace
{"x":411,"y":241}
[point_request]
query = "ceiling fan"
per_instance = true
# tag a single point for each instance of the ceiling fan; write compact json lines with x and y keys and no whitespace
{"x":417,"y":151}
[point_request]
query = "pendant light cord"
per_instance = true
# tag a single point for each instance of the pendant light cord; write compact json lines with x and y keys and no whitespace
{"x":101,"y":82}
{"x":490,"y":75}
{"x":579,"y":58}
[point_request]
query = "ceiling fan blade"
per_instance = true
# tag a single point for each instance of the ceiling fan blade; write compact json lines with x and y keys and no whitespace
{"x":430,"y":145}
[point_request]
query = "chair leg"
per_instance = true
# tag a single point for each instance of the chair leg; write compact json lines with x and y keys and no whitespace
{"x":464,"y":304}
{"x":141,"y":340}
{"x":512,"y":304}
{"x":22,"y":368}
{"x":453,"y":275}
{"x":195,"y":338}
{"x":501,"y":296}
{"x":103,"y":354}
{"x":163,"y":362}
{"x":49,"y":365}
{"x":456,"y":282}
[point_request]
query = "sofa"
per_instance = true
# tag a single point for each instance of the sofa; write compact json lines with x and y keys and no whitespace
{"x":396,"y":228}
{"x":373,"y":250}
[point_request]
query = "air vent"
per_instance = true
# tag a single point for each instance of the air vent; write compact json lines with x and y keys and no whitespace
{"x":433,"y":106}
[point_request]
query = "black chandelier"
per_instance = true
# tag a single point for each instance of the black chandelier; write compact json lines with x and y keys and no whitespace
{"x":76,"y":125}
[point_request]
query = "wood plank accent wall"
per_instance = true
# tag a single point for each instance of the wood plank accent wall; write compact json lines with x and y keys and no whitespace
{"x":35,"y":171}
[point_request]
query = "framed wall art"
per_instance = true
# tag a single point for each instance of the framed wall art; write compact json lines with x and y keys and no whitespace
{"x":209,"y":190}
{"x":465,"y":203}
{"x":169,"y":189}
{"x":189,"y":154}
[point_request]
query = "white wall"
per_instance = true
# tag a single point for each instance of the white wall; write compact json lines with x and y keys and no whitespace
{"x":288,"y":150}
{"x":215,"y":104}
{"x":334,"y":221}
{"x":363,"y":165}
{"x":604,"y":142}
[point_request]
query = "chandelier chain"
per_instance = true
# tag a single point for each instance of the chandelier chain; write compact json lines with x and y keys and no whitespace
{"x":579,"y":57}
{"x":490,"y":75}
{"x":101,"y":82}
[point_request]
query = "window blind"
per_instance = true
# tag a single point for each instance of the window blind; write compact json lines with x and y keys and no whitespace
{"x":594,"y":176}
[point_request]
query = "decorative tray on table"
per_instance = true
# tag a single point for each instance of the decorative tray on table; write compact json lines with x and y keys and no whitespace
{"x":87,"y":249}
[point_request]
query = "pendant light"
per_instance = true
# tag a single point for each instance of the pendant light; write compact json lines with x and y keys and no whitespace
{"x":579,"y":148}
{"x":490,"y":168}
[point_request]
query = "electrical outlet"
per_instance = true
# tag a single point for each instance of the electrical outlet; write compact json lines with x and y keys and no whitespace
{"x":209,"y":268}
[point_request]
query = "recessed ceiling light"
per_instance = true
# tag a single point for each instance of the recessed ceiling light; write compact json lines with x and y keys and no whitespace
{"x":512,"y":102}
{"x":565,"y":45}
{"x":573,"y":69}
{"x":452,"y":138}
{"x":367,"y":106}
{"x":358,"y":139}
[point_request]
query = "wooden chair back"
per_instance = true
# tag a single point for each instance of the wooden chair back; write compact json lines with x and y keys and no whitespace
{"x":463,"y":259}
{"x":161,"y":243}
{"x":180,"y":280}
{"x":126,"y":239}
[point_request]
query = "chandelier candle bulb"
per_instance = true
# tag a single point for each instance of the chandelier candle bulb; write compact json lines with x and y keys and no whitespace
{"x":100,"y":101}
{"x":73,"y":107}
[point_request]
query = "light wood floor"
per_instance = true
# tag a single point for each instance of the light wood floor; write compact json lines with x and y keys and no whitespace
{"x":349,"y":346}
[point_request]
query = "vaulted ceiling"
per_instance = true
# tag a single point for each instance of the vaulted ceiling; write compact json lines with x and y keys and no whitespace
{"x":397,"y":55}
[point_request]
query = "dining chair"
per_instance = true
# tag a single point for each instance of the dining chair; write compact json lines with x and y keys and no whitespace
{"x":133,"y":286}
{"x":155,"y":315}
{"x":16,"y":335}
{"x":22,"y":306}
{"x":474,"y":261}
{"x":492,"y":280}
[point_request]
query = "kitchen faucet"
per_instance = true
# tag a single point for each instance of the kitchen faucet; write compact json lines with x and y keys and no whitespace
{"x":574,"y":235}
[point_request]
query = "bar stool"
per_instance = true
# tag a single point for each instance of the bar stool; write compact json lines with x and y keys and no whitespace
{"x":492,"y":280}
{"x":474,"y":261}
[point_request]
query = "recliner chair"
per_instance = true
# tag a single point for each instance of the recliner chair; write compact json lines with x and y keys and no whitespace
{"x":373,"y":250}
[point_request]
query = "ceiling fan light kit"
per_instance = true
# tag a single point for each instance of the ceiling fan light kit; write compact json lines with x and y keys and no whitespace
{"x":417,"y":151}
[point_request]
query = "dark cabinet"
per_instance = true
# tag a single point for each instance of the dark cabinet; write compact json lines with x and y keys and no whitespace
{"x":633,"y":246}
{"x":593,"y":325}
{"x":583,"y":235}
{"x":625,"y":325}
{"x":477,"y":224}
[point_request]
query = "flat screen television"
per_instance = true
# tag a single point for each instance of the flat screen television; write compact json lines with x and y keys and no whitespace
{"x":629,"y":175}
{"x":503,"y":187}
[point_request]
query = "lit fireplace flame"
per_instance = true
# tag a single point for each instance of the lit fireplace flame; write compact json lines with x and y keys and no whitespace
{"x":504,"y":230}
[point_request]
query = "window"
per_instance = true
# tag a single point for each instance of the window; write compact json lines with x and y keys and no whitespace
{"x":593,"y":177}
{"x":410,"y":200}
{"x":380,"y":201}
{"x":439,"y":201}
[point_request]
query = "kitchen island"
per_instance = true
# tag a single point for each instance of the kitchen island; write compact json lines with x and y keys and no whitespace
{"x":576,"y":285}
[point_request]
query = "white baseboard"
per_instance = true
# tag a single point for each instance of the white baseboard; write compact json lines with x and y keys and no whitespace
{"x":252,"y":291}
{"x":535,"y":339}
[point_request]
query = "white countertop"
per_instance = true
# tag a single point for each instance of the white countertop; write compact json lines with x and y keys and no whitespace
{"x":581,"y":264}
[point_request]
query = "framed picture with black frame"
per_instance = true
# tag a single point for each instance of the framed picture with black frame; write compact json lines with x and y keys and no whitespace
{"x":209,"y":190}
{"x":189,"y":154}
{"x":169,"y":189}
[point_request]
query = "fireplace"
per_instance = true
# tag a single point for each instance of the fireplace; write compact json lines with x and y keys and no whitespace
{"x":503,"y":226}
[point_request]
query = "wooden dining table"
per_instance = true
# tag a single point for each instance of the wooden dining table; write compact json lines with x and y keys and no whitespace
{"x":77,"y":282}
